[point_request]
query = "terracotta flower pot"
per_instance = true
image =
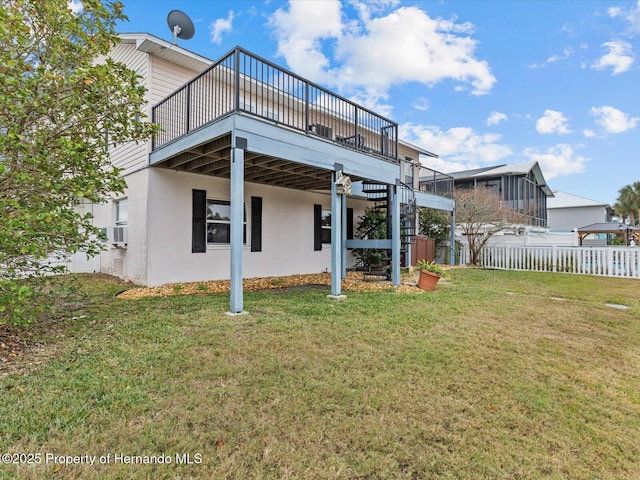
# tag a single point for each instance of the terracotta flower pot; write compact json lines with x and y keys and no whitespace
{"x":428,"y":280}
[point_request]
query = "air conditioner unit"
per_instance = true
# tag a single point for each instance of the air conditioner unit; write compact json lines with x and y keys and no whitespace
{"x":322,"y":130}
{"x":116,"y":236}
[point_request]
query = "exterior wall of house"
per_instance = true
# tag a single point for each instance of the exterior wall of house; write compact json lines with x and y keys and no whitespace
{"x":131,"y":262}
{"x":131,"y":156}
{"x":568,"y":219}
{"x":161,"y":78}
{"x":287,"y":231}
{"x":166,"y":77}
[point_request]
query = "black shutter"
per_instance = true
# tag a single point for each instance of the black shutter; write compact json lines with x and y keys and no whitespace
{"x":199,"y":222}
{"x":349,"y":223}
{"x":256,"y":224}
{"x":317,"y":227}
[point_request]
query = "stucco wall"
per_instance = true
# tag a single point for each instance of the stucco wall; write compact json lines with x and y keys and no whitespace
{"x":287,"y":231}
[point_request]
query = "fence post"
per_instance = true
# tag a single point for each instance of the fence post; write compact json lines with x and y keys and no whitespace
{"x":610,"y":266}
{"x":554,"y":258}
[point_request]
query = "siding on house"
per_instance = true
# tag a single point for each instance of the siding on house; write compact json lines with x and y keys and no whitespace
{"x":131,"y":156}
{"x":568,"y":212}
{"x":161,"y":78}
{"x":166,"y":78}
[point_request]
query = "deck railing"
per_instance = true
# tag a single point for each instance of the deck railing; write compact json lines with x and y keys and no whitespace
{"x":605,"y":261}
{"x":432,"y":181}
{"x":243,"y":82}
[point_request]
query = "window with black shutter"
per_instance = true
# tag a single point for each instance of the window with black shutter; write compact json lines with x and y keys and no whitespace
{"x":256,"y":224}
{"x":199,"y":221}
{"x":317,"y":227}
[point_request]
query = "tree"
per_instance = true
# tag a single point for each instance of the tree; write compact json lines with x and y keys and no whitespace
{"x":63,"y":104}
{"x":628,"y":203}
{"x":481,"y":214}
{"x":434,"y":223}
{"x":372,"y":226}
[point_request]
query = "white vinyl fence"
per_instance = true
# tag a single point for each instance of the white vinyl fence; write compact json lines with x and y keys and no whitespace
{"x":605,"y":261}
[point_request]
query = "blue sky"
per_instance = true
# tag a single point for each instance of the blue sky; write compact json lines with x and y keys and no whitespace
{"x":478,"y":82}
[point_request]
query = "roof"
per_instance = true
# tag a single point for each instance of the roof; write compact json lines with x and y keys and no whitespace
{"x":607,"y":227}
{"x":475,"y":173}
{"x":499,"y":170}
{"x":145,"y":42}
{"x":418,"y":149}
{"x":568,"y":200}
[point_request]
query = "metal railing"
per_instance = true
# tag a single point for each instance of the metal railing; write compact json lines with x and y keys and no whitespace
{"x":432,"y":181}
{"x":243,"y":82}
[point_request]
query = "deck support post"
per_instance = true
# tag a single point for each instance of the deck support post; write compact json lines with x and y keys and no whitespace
{"x":395,"y":234}
{"x":336,"y":237}
{"x":237,"y":230}
{"x":344,"y":236}
{"x":452,"y":239}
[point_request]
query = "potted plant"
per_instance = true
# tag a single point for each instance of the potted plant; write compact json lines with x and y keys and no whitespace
{"x":430,"y":273}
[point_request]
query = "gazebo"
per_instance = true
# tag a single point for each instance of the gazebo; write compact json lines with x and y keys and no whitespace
{"x":612,"y":228}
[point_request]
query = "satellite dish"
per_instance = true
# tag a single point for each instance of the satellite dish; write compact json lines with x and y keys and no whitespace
{"x":180,"y":25}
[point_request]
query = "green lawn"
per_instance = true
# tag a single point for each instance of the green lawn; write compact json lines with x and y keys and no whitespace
{"x":494,"y":375}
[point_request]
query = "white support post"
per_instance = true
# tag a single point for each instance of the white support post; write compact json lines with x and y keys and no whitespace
{"x":237,"y":230}
{"x":395,"y":235}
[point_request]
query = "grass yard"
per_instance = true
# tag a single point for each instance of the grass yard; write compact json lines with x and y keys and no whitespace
{"x":504,"y":375}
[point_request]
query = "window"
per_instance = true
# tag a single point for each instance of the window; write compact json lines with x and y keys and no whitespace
{"x":122,"y":212}
{"x":219,"y":222}
{"x":325,"y":225}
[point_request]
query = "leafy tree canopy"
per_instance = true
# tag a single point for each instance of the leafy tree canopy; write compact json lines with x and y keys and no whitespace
{"x":63,"y":104}
{"x":434,"y":223}
{"x":628,"y":203}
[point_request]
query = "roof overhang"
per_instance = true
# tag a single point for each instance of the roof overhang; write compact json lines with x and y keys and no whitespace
{"x":155,"y":46}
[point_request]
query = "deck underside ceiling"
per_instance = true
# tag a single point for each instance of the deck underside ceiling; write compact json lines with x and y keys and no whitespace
{"x":213,"y":158}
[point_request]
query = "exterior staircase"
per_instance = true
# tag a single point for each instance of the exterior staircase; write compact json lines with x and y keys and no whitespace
{"x":379,"y":264}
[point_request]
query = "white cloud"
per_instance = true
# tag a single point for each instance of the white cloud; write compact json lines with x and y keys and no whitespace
{"x":614,"y":12}
{"x":421,"y":104}
{"x":299,"y":32}
{"x":75,"y":6}
{"x":565,"y":54}
{"x":613,"y":120}
{"x":630,"y":16}
{"x":557,"y":161}
{"x":552,"y":122}
{"x":589,"y":133}
{"x":619,"y":58}
{"x":367,"y":56}
{"x":220,"y":26}
{"x":459,"y":148}
{"x":495,"y":118}
{"x":367,"y":8}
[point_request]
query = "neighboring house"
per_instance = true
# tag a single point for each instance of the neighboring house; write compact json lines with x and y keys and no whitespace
{"x":568,"y":212}
{"x":245,"y":178}
{"x":521,"y":186}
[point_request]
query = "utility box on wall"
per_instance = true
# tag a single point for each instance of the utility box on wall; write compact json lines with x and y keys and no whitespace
{"x":423,"y":248}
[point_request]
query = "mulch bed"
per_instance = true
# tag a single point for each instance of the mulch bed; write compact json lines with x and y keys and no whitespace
{"x":353,"y":283}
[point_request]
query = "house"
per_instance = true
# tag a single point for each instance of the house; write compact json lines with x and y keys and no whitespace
{"x":522,"y":186}
{"x":568,"y":212}
{"x":250,"y":174}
